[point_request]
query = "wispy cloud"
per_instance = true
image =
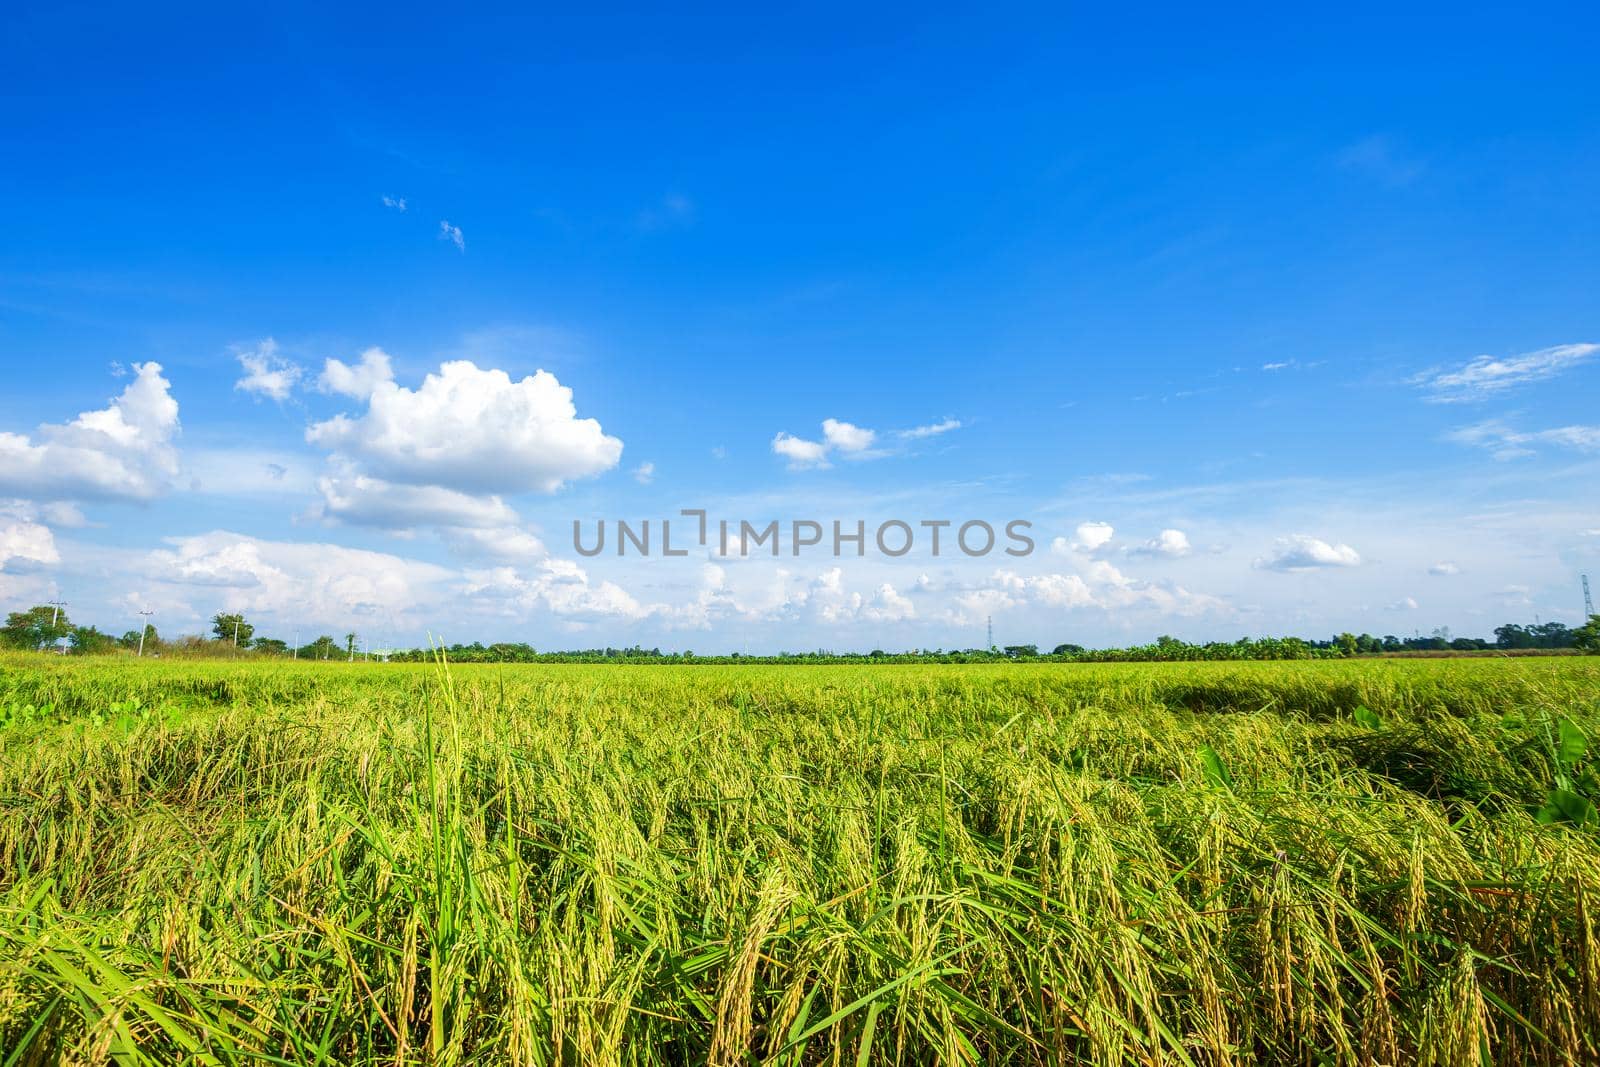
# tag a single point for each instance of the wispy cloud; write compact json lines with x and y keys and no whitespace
{"x":266,"y":373}
{"x":1503,"y":442}
{"x":1487,"y":376}
{"x":644,"y":473}
{"x":846,"y":440}
{"x":917,"y":433}
{"x":398,"y":203}
{"x":1382,"y":158}
{"x":452,"y":234}
{"x":672,"y":211}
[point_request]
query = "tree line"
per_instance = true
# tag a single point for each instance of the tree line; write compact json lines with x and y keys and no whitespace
{"x":46,"y":627}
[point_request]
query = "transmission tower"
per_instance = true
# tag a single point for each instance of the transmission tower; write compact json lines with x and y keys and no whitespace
{"x":1588,"y":601}
{"x":988,"y":621}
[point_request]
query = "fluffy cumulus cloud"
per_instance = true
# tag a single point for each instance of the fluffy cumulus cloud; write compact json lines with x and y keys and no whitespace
{"x":467,"y":429}
{"x":558,"y":586}
{"x":26,"y":541}
{"x":1168,"y":544}
{"x":1089,"y":537}
{"x":800,"y":452}
{"x":828,"y":600}
{"x":290,"y":581}
{"x":847,"y":437}
{"x":266,"y":373}
{"x":360,"y":381}
{"x":1100,"y":587}
{"x":1487,"y":376}
{"x":123,"y":450}
{"x":1303,"y":553}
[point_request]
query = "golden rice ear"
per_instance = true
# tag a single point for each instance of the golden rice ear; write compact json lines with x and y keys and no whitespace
{"x":459,"y":862}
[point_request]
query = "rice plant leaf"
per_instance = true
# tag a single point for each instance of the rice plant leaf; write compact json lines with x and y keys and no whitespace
{"x":1215,"y":771}
{"x":1572,"y":743}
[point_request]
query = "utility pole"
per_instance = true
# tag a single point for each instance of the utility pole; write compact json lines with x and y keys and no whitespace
{"x":236,"y":619}
{"x":57,"y":605}
{"x":296,"y":644}
{"x":144,"y":624}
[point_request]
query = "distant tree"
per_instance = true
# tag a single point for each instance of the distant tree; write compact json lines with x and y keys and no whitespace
{"x":1066,"y":650}
{"x":1541,"y":635}
{"x":232,"y":628}
{"x":1346,"y":643}
{"x":1586,"y":638}
{"x":131,"y":638}
{"x":322,"y":648}
{"x":271,"y":646}
{"x":87,"y":641}
{"x":350,"y":645}
{"x":1021,"y":651}
{"x":40,"y":625}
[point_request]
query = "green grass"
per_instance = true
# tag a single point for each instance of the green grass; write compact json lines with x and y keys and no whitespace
{"x":1142,"y":864}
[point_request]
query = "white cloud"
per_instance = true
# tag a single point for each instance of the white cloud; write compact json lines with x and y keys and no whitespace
{"x":1277,"y":366}
{"x":452,"y":234}
{"x":1101,"y":587}
{"x":512,"y":544}
{"x":266,"y":373}
{"x":848,"y":440}
{"x":472,"y":430}
{"x":29,"y":541}
{"x":1089,"y":537}
{"x":362,"y":501}
{"x":847,"y":437}
{"x":358,"y":382}
{"x":398,"y":203}
{"x":1170,"y":544}
{"x":917,"y":433}
{"x":1487,"y":375}
{"x":644,"y":473}
{"x":1300,"y":552}
{"x":1444,"y":568}
{"x":121,"y":451}
{"x":1404,"y":604}
{"x":1505,"y":443}
{"x":558,"y":586}
{"x":801,"y":453}
{"x":318,"y":583}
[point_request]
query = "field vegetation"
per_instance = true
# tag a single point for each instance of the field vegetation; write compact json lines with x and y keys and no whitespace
{"x":1329,"y":861}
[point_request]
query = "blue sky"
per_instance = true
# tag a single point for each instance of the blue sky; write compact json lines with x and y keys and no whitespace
{"x":1303,"y":312}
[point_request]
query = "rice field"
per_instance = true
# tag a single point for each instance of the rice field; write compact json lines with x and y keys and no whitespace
{"x":1356,"y":862}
